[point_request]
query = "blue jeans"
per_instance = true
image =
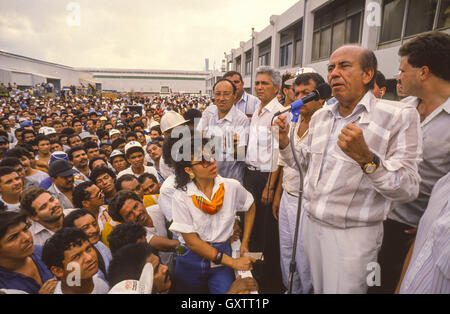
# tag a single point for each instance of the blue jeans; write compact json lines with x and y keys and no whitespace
{"x":194,"y":275}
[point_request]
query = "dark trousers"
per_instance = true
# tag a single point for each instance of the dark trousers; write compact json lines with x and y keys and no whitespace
{"x":395,"y":247}
{"x":265,"y":236}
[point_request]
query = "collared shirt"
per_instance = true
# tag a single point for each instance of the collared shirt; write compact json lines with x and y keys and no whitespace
{"x":165,"y":197}
{"x":106,"y":256}
{"x":11,"y":207}
{"x":147,"y":169}
{"x":248,"y":104}
{"x":78,"y":175}
{"x":63,"y":199}
{"x":262,"y":151}
{"x":435,"y":164}
{"x":218,"y":228}
{"x":429,"y":269}
{"x":13,"y":280}
{"x":223,"y":130}
{"x":339,"y":194}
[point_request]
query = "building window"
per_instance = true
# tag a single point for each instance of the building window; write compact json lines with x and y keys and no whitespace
{"x":248,"y":62}
{"x":420,"y":17}
{"x":264,"y":59}
{"x":238,"y":64}
{"x":335,"y":25}
{"x":298,"y":52}
{"x":286,"y":55}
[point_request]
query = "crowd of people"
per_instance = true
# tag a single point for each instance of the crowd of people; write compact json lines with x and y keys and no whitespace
{"x":209,"y":196}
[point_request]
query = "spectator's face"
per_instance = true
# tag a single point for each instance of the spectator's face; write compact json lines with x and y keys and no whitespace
{"x":89,"y":226}
{"x":265,"y":89}
{"x":48,"y":208}
{"x":11,"y":184}
{"x":75,"y":141}
{"x":157,"y":117}
{"x":141,"y":138}
{"x":105,"y":182}
{"x":154,"y":152}
{"x":58,"y":127}
{"x":345,"y":75}
{"x":238,"y":83}
{"x":301,"y":91}
{"x":55,"y":147}
{"x":17,"y":243}
{"x":134,"y":186}
{"x":44,"y":147}
{"x":78,"y":127}
{"x":149,"y":187}
{"x":29,"y":137}
{"x":154,"y":135}
{"x":26,"y":163}
{"x":85,"y":256}
{"x":90,"y":126}
{"x":408,"y":78}
{"x":63,"y":140}
{"x":119,"y":163}
{"x":131,"y":139}
{"x":96,"y":199}
{"x":98,"y":163}
{"x":134,"y":211}
{"x":80,"y":159}
{"x":92,"y":152}
{"x":64,"y":183}
{"x":136,"y":159}
{"x":224,"y":96}
{"x":20,"y":171}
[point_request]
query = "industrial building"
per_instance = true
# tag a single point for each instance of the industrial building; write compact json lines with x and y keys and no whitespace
{"x":307,"y":33}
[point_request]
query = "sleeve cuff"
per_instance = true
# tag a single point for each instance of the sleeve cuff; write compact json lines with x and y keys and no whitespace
{"x":181,"y":228}
{"x":248,"y":202}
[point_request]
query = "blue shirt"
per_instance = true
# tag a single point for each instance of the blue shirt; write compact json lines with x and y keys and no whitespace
{"x":13,"y":280}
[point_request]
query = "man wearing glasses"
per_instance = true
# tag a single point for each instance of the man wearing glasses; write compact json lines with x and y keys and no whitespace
{"x":244,"y":102}
{"x":227,"y":125}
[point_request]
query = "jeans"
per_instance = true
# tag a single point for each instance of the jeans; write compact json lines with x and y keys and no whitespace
{"x":194,"y":275}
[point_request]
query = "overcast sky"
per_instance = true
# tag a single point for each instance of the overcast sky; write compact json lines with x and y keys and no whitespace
{"x":137,"y":34}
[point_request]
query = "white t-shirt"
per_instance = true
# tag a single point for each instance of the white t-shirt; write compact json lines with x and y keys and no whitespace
{"x":38,"y":177}
{"x":218,"y":228}
{"x":147,"y":169}
{"x":11,"y":207}
{"x":165,"y":197}
{"x":159,"y":223}
{"x":100,"y":286}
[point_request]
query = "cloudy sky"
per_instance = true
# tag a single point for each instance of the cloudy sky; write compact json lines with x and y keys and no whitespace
{"x":137,"y":34}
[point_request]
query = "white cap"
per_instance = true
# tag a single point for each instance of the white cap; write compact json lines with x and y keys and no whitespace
{"x":113,"y":131}
{"x":154,"y":123}
{"x":131,"y":145}
{"x":299,"y":72}
{"x":84,"y":135}
{"x":103,"y":118}
{"x":142,"y":286}
{"x":170,"y":120}
{"x":115,"y":153}
{"x":46,"y":130}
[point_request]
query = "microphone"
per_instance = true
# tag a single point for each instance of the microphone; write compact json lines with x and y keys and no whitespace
{"x":323,"y":91}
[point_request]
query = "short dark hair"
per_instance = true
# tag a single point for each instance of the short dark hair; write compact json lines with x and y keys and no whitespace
{"x":128,"y":262}
{"x":129,"y":134}
{"x":89,"y":145}
{"x":27,"y":197}
{"x":225,"y":80}
{"x":191,"y":114}
{"x":5,"y":171}
{"x":368,"y":61}
{"x":10,"y":162}
{"x":116,"y":203}
{"x":69,"y":220}
{"x":42,"y":137}
{"x":97,"y":172}
{"x":303,"y":79}
{"x":94,"y":159}
{"x":156,"y":128}
{"x":430,"y":49}
{"x":63,"y":239}
{"x":18,"y":152}
{"x":10,"y":219}
{"x":233,"y":73}
{"x":125,"y":233}
{"x":73,"y":150}
{"x":145,"y":176}
{"x":80,"y":194}
{"x":124,"y":178}
{"x":133,"y":150}
{"x":117,"y":142}
{"x":380,"y":80}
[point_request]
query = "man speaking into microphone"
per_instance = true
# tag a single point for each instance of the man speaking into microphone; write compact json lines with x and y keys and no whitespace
{"x":361,"y":155}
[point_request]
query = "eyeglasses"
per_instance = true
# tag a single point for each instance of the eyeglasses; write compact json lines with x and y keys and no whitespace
{"x":99,"y":195}
{"x":207,"y":160}
{"x":224,"y":94}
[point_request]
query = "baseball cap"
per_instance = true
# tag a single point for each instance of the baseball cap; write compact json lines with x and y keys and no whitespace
{"x":58,"y":155}
{"x":60,"y":168}
{"x":142,"y":286}
{"x":46,"y":130}
{"x":105,"y":143}
{"x":26,"y":123}
{"x":103,"y":119}
{"x":299,"y":72}
{"x":131,"y":145}
{"x":113,"y":131}
{"x":154,"y":123}
{"x":116,"y":153}
{"x":84,"y":135}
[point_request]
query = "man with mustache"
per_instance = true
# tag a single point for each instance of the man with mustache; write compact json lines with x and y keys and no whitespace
{"x":80,"y":162}
{"x":86,"y":222}
{"x":62,"y":176}
{"x":71,"y":257}
{"x":44,"y":210}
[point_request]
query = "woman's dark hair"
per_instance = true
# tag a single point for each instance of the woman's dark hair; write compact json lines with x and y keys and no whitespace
{"x":125,"y":233}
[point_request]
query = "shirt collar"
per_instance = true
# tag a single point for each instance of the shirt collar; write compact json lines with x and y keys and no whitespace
{"x":244,"y":96}
{"x":192,"y":188}
{"x":366,"y":102}
{"x":272,"y":106}
{"x":38,"y":228}
{"x":229,"y":116}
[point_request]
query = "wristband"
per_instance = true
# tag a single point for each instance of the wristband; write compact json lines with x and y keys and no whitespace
{"x":218,"y":259}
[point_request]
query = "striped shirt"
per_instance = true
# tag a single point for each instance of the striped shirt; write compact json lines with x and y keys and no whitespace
{"x":248,"y":104}
{"x":336,"y":190}
{"x":435,"y":164}
{"x":429,"y":268}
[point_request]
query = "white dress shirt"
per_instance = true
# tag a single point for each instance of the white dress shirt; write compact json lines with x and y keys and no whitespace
{"x":147,"y":169}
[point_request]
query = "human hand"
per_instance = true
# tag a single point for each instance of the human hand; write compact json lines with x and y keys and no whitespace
{"x":243,"y":249}
{"x":276,"y":206}
{"x":351,"y":142}
{"x":283,"y":131}
{"x":267,"y":195}
{"x":49,"y":286}
{"x":243,"y":263}
{"x":243,"y":286}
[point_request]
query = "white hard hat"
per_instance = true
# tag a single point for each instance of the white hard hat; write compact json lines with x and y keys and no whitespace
{"x":299,"y":72}
{"x":142,"y":286}
{"x":170,"y":120}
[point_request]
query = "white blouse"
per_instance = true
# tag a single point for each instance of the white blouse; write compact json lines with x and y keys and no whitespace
{"x":187,"y":218}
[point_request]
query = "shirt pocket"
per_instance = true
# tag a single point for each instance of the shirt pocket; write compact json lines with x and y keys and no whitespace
{"x":377,"y":139}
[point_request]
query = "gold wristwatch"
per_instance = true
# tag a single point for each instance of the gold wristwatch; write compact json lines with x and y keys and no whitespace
{"x":372,"y":166}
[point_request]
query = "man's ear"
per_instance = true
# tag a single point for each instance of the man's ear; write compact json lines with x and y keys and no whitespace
{"x":85,"y":204}
{"x":367,"y":75}
{"x":57,"y":271}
